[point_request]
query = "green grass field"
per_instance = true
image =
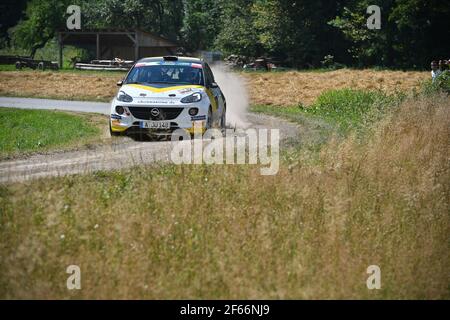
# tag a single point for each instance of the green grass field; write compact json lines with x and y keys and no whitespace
{"x":7,"y":67}
{"x":346,"y":109}
{"x":25,"y":131}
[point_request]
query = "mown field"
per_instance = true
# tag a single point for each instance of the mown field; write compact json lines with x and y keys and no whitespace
{"x":295,"y":88}
{"x":281,"y":89}
{"x":24,"y":132}
{"x":376,"y":195}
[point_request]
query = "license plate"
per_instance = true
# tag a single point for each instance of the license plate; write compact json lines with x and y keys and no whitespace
{"x":155,"y":125}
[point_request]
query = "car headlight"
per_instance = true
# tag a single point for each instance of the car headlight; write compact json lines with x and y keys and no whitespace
{"x":195,"y":97}
{"x":122,"y":96}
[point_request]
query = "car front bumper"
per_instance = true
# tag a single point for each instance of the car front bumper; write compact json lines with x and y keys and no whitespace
{"x":177,"y":114}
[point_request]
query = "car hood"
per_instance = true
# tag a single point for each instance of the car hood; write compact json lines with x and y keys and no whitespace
{"x":139,"y":91}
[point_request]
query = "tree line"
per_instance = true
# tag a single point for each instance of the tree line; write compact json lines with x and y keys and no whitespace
{"x":297,"y":33}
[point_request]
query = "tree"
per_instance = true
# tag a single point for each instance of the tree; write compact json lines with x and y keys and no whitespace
{"x":299,"y":33}
{"x":43,"y":18}
{"x":201,"y":23}
{"x":297,"y":30}
{"x":11,"y":11}
{"x":238,"y":34}
{"x":412,"y":32}
{"x":163,"y":17}
{"x":422,"y":31}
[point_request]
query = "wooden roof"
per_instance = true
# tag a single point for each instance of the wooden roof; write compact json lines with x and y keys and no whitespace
{"x":115,"y":36}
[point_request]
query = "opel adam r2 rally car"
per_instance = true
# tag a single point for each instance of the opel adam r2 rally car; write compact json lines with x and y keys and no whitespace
{"x":160,"y":95}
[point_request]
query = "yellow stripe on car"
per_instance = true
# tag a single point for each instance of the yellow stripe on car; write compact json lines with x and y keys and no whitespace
{"x":212,"y":100}
{"x":157,"y":90}
{"x":116,"y":127}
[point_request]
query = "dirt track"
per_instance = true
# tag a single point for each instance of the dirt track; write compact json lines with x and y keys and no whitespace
{"x":122,"y":152}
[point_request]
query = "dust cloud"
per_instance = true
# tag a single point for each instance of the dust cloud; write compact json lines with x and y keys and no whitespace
{"x":235,"y":91}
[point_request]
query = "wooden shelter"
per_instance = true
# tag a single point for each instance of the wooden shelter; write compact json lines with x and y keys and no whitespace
{"x":117,"y":43}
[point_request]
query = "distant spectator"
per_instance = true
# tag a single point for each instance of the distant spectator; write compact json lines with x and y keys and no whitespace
{"x":435,"y":71}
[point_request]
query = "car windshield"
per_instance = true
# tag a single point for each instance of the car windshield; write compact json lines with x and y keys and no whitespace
{"x":170,"y":74}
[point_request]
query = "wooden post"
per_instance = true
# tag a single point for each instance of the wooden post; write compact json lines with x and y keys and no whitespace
{"x":98,"y":46}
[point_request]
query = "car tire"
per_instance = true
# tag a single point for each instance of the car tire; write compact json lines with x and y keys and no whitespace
{"x":209,"y":119}
{"x":223,"y":119}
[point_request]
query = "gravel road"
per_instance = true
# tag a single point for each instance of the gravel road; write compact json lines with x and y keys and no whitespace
{"x":48,"y":104}
{"x":121,"y":152}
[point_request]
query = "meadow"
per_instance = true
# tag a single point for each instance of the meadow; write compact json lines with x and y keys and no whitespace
{"x":372,"y":197}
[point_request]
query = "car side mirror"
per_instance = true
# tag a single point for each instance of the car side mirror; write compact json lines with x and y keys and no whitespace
{"x":214,"y":85}
{"x":120,"y":83}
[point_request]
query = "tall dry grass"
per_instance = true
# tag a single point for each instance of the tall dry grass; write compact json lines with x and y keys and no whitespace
{"x":226,"y":232}
{"x":60,"y":85}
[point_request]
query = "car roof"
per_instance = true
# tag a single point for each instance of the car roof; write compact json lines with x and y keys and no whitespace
{"x":184,"y":59}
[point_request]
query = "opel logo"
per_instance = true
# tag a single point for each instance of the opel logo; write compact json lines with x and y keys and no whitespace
{"x":154,"y":112}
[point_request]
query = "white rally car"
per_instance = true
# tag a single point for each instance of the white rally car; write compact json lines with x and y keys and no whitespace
{"x":160,"y":95}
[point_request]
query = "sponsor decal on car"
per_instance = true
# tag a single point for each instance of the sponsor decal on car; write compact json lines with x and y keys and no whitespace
{"x":150,"y":101}
{"x":196,"y":65}
{"x":185,"y":90}
{"x":196,"y":118}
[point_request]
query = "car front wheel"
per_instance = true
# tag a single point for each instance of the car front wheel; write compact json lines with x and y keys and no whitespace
{"x":209,"y":119}
{"x":223,"y":119}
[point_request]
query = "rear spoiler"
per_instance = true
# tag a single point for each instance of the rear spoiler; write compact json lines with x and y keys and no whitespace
{"x":170,"y":58}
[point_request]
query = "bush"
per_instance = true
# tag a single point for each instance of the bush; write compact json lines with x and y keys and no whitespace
{"x":329,"y":63}
{"x":351,"y":108}
{"x":441,"y":84}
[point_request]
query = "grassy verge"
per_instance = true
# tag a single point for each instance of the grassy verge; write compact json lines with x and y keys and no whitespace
{"x":311,"y":231}
{"x":345,"y":109}
{"x":7,"y":67}
{"x":26,"y":131}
